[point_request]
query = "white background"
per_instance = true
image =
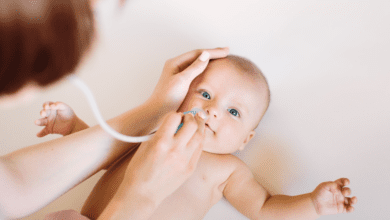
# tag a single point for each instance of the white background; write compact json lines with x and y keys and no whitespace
{"x":327,"y":63}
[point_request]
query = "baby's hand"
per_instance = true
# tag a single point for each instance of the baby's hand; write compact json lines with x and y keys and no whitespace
{"x":331,"y":197}
{"x":58,"y":118}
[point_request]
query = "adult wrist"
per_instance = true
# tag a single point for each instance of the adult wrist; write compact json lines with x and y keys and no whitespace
{"x":129,"y":203}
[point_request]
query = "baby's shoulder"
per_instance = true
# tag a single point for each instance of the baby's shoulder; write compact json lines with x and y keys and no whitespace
{"x":226,"y":163}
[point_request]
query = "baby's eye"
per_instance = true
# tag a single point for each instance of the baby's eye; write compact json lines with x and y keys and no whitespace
{"x":206,"y":95}
{"x":234,"y":112}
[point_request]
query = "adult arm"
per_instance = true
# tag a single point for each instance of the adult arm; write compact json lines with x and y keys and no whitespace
{"x":32,"y":177}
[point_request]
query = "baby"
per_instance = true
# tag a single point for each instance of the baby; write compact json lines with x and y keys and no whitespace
{"x":235,"y":95}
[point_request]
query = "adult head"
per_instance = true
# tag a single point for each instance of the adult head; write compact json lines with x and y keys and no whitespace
{"x":41,"y":42}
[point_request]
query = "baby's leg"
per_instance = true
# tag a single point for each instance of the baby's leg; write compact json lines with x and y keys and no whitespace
{"x":106,"y":187}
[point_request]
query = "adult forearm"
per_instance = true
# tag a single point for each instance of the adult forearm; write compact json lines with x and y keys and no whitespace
{"x":129,"y":206}
{"x":41,"y":173}
{"x":289,"y":207}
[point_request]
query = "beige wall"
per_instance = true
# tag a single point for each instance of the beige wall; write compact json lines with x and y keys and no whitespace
{"x":326,"y":63}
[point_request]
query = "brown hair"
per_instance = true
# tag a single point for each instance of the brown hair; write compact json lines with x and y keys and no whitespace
{"x":42,"y":41}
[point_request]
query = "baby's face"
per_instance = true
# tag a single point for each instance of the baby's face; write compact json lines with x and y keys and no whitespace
{"x":233,"y":101}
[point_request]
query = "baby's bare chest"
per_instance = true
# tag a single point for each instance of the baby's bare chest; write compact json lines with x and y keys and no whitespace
{"x":199,"y":193}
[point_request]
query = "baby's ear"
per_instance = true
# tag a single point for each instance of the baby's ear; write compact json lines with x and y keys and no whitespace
{"x":247,"y":139}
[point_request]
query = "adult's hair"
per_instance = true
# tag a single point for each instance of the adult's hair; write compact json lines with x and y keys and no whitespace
{"x":42,"y":41}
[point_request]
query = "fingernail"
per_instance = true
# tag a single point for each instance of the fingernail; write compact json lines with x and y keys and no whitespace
{"x":201,"y":114}
{"x":204,"y":56}
{"x":37,"y":122}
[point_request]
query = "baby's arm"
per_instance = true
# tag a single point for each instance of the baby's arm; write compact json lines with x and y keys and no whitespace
{"x":59,"y":118}
{"x":251,"y":199}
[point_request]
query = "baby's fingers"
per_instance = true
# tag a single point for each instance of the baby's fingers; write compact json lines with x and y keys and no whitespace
{"x":349,"y":202}
{"x":45,"y":113}
{"x":46,"y":105}
{"x":349,"y":209}
{"x":346,"y":191}
{"x":41,"y":122}
{"x":43,"y":132}
{"x":353,"y":200}
{"x":342,"y":182}
{"x":58,"y":106}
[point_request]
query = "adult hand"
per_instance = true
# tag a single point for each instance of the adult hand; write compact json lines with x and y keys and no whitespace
{"x":158,"y":168}
{"x":162,"y":164}
{"x":178,"y":74}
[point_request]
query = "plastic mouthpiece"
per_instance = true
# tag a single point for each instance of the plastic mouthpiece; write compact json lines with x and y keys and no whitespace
{"x":193,"y":111}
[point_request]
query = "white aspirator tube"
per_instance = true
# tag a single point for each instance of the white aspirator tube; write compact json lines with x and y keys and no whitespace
{"x":91,"y":100}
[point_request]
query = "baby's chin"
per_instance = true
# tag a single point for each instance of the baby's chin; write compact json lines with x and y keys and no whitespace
{"x":214,"y":150}
{"x":211,"y":151}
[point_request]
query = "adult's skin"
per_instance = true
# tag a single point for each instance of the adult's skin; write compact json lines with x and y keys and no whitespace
{"x":32,"y":177}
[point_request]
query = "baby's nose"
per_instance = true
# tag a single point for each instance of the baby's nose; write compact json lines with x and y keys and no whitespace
{"x":212,"y":112}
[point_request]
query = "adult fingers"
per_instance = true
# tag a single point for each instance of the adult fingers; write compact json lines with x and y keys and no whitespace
{"x":169,"y":125}
{"x":183,"y":61}
{"x":197,"y":67}
{"x":184,"y":135}
{"x":195,"y":156}
{"x":195,"y":145}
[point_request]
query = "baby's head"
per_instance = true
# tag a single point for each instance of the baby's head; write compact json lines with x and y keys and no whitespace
{"x":235,"y":95}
